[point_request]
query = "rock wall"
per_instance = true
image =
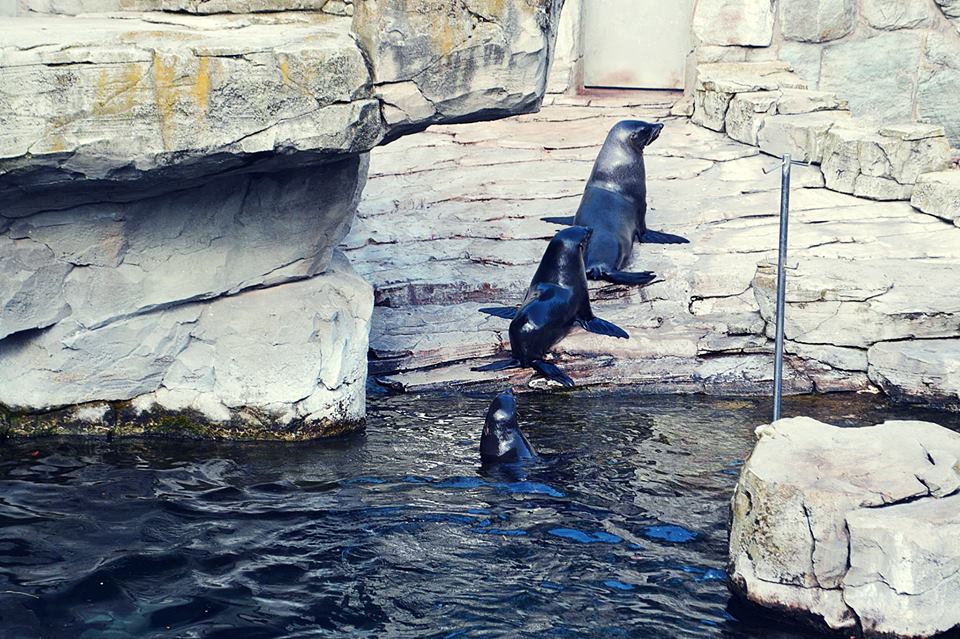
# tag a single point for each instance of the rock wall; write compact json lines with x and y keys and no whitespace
{"x":897,"y":60}
{"x":175,"y":185}
{"x":894,"y":60}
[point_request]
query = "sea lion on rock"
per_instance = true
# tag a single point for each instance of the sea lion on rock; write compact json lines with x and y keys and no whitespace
{"x":614,"y":204}
{"x":556,"y":300}
{"x":502,"y":440}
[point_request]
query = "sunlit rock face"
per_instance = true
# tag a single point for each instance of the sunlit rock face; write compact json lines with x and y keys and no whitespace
{"x":892,"y":61}
{"x":851,"y":529}
{"x":174,"y":187}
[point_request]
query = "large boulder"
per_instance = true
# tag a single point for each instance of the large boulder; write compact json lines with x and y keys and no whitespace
{"x":284,"y":362}
{"x":130,"y":99}
{"x":897,"y":14}
{"x":175,"y":185}
{"x":851,"y":528}
{"x":882,"y":164}
{"x":817,"y":20}
{"x":437,"y":61}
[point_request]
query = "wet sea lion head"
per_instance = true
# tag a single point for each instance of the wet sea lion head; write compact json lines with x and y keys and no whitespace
{"x":502,"y":440}
{"x":637,"y":133}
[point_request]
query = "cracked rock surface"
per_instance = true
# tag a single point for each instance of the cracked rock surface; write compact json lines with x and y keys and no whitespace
{"x":175,"y":185}
{"x":864,"y":274}
{"x":854,"y":529}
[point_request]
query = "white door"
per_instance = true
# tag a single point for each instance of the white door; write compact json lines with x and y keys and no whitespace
{"x":636,"y":44}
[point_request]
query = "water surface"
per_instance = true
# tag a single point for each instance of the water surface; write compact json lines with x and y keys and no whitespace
{"x":620,"y":532}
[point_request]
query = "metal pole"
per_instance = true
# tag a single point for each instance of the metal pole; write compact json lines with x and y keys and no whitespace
{"x":781,"y":285}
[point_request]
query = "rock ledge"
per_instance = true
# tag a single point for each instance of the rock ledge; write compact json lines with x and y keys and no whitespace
{"x":852,"y":529}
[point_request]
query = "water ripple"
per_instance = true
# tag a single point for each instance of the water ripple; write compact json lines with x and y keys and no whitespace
{"x":619,"y":532}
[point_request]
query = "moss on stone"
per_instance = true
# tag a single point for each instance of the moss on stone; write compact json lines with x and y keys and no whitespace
{"x":122,"y":419}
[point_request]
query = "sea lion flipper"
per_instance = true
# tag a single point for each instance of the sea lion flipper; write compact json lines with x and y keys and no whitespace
{"x":658,"y":237}
{"x":551,"y":372}
{"x":568,"y":221}
{"x":506,"y":312}
{"x":603,"y":327}
{"x":622,"y":277}
{"x":502,"y":365}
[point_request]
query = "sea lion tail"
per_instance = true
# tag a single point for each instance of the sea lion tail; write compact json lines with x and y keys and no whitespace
{"x":603,"y":327}
{"x":506,"y":312}
{"x":551,"y":372}
{"x":622,"y":277}
{"x":566,"y":221}
{"x":502,"y":365}
{"x":658,"y":237}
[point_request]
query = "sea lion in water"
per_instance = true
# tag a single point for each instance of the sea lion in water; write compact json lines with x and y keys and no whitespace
{"x":556,"y":300}
{"x":502,"y":440}
{"x":614,"y":204}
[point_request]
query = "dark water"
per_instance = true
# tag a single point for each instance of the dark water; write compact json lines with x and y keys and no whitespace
{"x":395,"y":533}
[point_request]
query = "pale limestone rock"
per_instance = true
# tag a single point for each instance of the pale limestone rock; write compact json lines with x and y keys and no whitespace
{"x":828,"y":525}
{"x":939,"y":84}
{"x":921,"y":371}
{"x":803,"y":136}
{"x":896,"y":14}
{"x":146,"y":97}
{"x":950,"y":7}
{"x":734,"y":22}
{"x":461,"y":56}
{"x":484,"y":187}
{"x":746,"y":114}
{"x":938,"y":194}
{"x":877,"y":75}
{"x":804,"y":59}
{"x":76,"y":7}
{"x":568,"y":50}
{"x":710,"y":109}
{"x":193,"y":244}
{"x":296,"y":350}
{"x":884,"y":164}
{"x":817,"y":20}
{"x":338,"y":7}
{"x":795,"y":101}
{"x":840,"y":357}
{"x":404,"y":103}
{"x":857,"y":304}
{"x":747,"y":76}
{"x":717,"y":84}
{"x":31,"y":286}
{"x":293,"y":353}
{"x":172,"y":204}
{"x":903,"y":578}
{"x":710,"y":53}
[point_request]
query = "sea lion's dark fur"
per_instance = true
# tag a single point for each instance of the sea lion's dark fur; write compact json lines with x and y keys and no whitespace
{"x":614,"y":204}
{"x":556,"y":300}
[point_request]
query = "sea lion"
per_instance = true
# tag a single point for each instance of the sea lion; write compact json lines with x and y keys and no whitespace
{"x":502,"y":440}
{"x":614,"y":204}
{"x":556,"y":300}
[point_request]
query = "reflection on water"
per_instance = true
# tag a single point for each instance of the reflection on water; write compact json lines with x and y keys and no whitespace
{"x":619,"y":531}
